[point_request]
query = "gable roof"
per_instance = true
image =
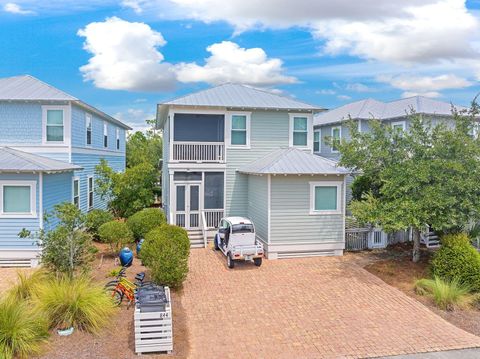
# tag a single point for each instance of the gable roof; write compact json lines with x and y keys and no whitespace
{"x":370,"y":108}
{"x":18,"y":161}
{"x":293,"y":161}
{"x":29,"y":88}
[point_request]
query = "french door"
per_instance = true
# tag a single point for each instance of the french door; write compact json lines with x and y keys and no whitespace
{"x":187,"y":205}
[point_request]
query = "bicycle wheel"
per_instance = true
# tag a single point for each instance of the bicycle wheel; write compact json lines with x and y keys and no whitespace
{"x":117,"y":297}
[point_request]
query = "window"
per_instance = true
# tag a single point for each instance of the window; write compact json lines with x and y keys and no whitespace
{"x":399,"y":126}
{"x":18,"y":199}
{"x":300,"y":131}
{"x":239,"y":130}
{"x":213,"y":190}
{"x":88,"y":121}
{"x":336,"y":136}
{"x":316,"y":141}
{"x":325,"y":197}
{"x":118,"y":138}
{"x":76,"y":191}
{"x":105,"y":134}
{"x":242,"y":228}
{"x":90,"y":192}
{"x":54,"y":126}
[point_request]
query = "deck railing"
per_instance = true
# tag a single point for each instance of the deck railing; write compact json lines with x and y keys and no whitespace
{"x":198,"y":152}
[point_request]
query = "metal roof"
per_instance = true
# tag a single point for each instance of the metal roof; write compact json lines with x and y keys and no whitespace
{"x":370,"y":108}
{"x":18,"y":161}
{"x":29,"y":88}
{"x":293,"y":161}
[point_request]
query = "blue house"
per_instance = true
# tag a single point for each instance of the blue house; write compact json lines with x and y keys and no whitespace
{"x":50,"y":143}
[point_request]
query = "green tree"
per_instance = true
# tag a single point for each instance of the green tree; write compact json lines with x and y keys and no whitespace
{"x":144,"y":147}
{"x":426,"y":175}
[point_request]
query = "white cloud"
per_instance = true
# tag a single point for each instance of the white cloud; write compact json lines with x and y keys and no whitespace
{"x":326,"y":92}
{"x":125,"y":56}
{"x":231,"y":63}
{"x":344,"y":97}
{"x":135,"y":5}
{"x":431,"y":94}
{"x":16,"y":9}
{"x":135,"y":118}
{"x":358,"y":87}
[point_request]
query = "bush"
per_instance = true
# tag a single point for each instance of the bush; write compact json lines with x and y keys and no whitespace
{"x":458,"y":260}
{"x":115,"y":233}
{"x":75,"y":302}
{"x":447,"y":294}
{"x":22,"y":329}
{"x":165,"y":251}
{"x":27,"y":284}
{"x":95,"y":218}
{"x":144,"y":221}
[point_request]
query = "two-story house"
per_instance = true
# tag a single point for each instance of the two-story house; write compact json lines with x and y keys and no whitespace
{"x":234,"y":150}
{"x":50,"y":143}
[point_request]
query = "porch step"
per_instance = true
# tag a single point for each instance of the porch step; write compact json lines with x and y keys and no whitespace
{"x":196,"y":238}
{"x":430,"y":239}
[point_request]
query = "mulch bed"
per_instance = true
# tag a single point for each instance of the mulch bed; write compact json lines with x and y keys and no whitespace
{"x":395,"y":267}
{"x":117,"y":340}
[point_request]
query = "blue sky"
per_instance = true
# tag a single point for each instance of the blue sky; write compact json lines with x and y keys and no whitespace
{"x":126,"y":56}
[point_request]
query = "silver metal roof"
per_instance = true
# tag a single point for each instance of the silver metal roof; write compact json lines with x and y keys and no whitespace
{"x":29,"y":88}
{"x":12,"y":160}
{"x":293,"y":161}
{"x":370,"y":108}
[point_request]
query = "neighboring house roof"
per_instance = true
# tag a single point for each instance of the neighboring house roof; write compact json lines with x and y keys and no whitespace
{"x":29,"y":88}
{"x":370,"y":108}
{"x":18,"y":161}
{"x":293,"y":161}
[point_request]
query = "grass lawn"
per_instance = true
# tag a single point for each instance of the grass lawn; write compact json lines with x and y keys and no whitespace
{"x":394,"y":267}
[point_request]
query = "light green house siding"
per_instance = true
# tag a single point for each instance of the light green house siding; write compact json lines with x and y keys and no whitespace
{"x":258,"y":204}
{"x":165,"y":172}
{"x":290,"y":218}
{"x":269,"y":131}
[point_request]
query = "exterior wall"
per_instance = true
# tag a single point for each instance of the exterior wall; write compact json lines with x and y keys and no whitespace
{"x":165,"y":171}
{"x":258,"y":204}
{"x":20,"y":123}
{"x":57,"y":188}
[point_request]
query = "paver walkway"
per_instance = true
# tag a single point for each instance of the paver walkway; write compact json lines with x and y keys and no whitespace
{"x":305,"y":308}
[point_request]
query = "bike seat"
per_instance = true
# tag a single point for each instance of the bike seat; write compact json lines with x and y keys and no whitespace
{"x":140,"y":276}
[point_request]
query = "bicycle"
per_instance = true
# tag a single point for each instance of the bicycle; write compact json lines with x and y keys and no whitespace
{"x":122,"y":287}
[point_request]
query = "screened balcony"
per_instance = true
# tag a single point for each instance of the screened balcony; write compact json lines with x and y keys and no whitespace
{"x":198,"y":138}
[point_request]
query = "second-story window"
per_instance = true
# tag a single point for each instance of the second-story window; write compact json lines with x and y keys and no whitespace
{"x":54,"y":126}
{"x":90,"y":192}
{"x":76,"y":192}
{"x":88,"y":120}
{"x":300,"y":131}
{"x":105,"y":135}
{"x":316,"y":141}
{"x":336,"y":136}
{"x":118,"y":138}
{"x":239,"y":130}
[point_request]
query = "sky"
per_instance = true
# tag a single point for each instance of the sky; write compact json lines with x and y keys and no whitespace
{"x":124,"y":57}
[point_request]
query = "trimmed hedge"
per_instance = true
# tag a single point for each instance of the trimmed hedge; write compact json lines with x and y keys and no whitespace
{"x":95,"y":218}
{"x":458,"y":260}
{"x":165,"y":251}
{"x":144,"y":221}
{"x":115,"y":233}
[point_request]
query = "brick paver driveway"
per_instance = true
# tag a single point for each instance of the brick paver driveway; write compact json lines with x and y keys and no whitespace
{"x":305,"y":308}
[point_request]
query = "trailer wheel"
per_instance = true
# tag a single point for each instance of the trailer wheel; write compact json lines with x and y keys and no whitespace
{"x":215,"y":243}
{"x":257,"y":261}
{"x":230,"y":262}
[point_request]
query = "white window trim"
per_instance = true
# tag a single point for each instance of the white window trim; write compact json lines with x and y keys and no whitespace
{"x":337,"y":184}
{"x":76,"y":178}
{"x":309,"y":117}
{"x":331,"y":135}
{"x":401,"y":123}
{"x":105,"y":134}
{"x":117,"y":139}
{"x":228,"y":134}
{"x":33,"y":199}
{"x":66,"y":125}
{"x":88,"y":116}
{"x":88,"y":192}
{"x":319,"y":131}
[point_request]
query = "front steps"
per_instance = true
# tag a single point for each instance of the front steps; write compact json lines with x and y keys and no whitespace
{"x":196,"y":238}
{"x":430,"y":239}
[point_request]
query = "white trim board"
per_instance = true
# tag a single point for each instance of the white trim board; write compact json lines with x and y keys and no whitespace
{"x":33,"y":198}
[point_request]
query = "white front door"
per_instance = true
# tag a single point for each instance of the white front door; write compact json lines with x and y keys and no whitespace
{"x":187,"y":206}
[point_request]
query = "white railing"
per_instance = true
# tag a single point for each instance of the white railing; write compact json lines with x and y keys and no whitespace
{"x":209,"y":220}
{"x":198,"y":151}
{"x":204,"y":229}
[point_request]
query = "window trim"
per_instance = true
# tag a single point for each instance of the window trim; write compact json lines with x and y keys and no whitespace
{"x":66,"y":125}
{"x":105,"y":134}
{"x":340,"y":137}
{"x":309,"y":118}
{"x":76,"y":178}
{"x":33,"y":199}
{"x":87,"y":117}
{"x":228,"y":129}
{"x":90,"y":190}
{"x":315,"y":184}
{"x":402,"y":123}
{"x":319,"y":131}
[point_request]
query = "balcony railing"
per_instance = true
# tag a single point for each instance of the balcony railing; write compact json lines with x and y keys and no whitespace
{"x":198,"y":152}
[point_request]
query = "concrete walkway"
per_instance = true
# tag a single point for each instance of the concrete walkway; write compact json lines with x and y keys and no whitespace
{"x":450,"y":354}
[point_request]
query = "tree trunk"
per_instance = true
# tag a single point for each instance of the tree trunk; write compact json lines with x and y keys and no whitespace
{"x":416,"y":245}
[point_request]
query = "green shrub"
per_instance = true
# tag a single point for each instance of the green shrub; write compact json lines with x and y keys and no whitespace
{"x":458,"y":260}
{"x":75,"y":302}
{"x":23,"y":330}
{"x":144,"y":221}
{"x":116,"y":234}
{"x":26,"y":285}
{"x":447,"y":295}
{"x":165,"y":251}
{"x":95,"y":218}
